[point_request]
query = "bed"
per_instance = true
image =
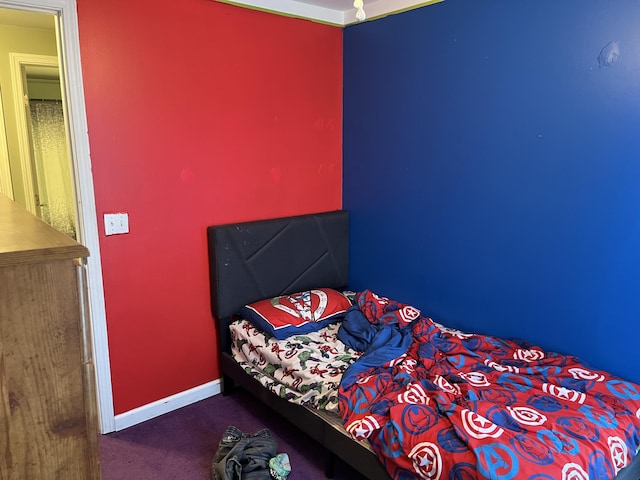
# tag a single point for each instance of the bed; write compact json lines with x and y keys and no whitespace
{"x":253,"y":263}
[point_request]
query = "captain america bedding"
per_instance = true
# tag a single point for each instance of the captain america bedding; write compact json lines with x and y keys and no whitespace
{"x":436,"y":403}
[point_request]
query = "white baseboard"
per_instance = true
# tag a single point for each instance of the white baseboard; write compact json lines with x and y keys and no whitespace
{"x":166,"y":405}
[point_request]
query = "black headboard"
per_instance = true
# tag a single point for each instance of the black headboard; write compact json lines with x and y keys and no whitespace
{"x":250,"y":261}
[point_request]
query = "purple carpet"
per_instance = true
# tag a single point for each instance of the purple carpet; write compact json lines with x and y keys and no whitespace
{"x":181,"y":444}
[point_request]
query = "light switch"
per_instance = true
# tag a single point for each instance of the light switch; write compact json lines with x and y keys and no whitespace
{"x":116,"y":223}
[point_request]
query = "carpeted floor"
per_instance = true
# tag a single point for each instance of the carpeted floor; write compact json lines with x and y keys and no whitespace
{"x":181,"y":444}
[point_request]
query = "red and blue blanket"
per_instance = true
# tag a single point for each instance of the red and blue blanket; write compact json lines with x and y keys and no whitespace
{"x":437,"y":403}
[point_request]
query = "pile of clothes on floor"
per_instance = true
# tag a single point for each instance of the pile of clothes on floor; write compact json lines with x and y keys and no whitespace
{"x":242,"y":456}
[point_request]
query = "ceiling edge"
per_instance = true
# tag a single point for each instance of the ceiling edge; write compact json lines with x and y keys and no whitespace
{"x":374,"y":9}
{"x":294,"y":9}
{"x":382,"y":8}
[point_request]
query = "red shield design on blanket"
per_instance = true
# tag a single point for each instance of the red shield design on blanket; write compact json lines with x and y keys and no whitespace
{"x":583,"y":373}
{"x":528,"y":355}
{"x":564,"y":393}
{"x":409,"y":314}
{"x":573,"y":471}
{"x":618,"y":450}
{"x":426,"y":460}
{"x":527,"y":416}
{"x":362,"y":429}
{"x":479,"y":427}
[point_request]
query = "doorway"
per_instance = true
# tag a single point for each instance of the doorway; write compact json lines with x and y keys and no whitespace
{"x":62,"y":14}
{"x":45,"y":163}
{"x":54,"y":194}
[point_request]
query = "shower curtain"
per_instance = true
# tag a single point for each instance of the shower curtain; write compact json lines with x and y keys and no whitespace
{"x":52,"y":165}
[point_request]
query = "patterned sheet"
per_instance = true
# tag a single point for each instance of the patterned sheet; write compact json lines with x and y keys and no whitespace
{"x":438,"y":403}
{"x":304,"y":369}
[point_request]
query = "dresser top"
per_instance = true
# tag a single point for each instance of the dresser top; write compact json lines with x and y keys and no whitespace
{"x":24,"y":238}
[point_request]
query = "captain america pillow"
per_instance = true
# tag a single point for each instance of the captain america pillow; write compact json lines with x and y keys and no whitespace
{"x":298,"y":313}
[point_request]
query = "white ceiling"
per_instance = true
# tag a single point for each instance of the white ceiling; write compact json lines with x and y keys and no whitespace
{"x":336,"y":12}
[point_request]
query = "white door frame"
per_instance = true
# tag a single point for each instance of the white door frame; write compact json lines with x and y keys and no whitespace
{"x":73,"y":90}
{"x":6,"y":185}
{"x":18,"y":61}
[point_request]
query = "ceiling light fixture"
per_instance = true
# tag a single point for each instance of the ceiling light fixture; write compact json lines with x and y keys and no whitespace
{"x":359,"y":6}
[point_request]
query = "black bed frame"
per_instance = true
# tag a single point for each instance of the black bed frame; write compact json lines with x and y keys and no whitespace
{"x":251,"y":261}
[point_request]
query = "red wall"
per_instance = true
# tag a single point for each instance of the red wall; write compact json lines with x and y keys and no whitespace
{"x":199,"y":113}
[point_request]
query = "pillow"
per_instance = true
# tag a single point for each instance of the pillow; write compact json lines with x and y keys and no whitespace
{"x":297,"y":313}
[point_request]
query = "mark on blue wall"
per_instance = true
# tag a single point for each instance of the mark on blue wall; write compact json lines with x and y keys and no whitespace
{"x":609,"y":54}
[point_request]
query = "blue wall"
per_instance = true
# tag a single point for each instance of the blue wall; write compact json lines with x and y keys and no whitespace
{"x":492,"y":169}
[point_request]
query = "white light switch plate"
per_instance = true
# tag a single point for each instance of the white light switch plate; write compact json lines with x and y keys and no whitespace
{"x":116,"y":223}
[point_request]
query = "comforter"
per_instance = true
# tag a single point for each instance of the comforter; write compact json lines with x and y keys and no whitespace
{"x":437,"y":403}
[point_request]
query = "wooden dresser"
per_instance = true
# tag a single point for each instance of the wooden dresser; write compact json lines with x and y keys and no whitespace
{"x":48,"y":412}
